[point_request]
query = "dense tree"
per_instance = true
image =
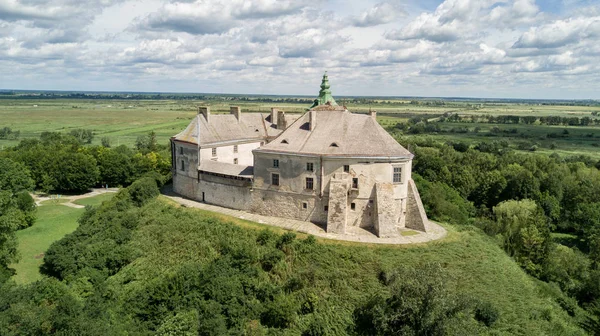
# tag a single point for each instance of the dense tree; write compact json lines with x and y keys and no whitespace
{"x":17,"y":209}
{"x":442,"y":202}
{"x":84,"y":136}
{"x":146,"y":143}
{"x":59,"y":162}
{"x":75,"y":172}
{"x":525,"y":233}
{"x":14,"y":176}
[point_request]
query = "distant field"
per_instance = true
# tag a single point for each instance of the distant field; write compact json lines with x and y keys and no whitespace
{"x":563,"y":140}
{"x":123,"y":120}
{"x":54,"y":221}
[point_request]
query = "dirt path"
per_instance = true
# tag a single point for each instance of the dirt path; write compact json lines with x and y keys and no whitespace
{"x":71,"y":198}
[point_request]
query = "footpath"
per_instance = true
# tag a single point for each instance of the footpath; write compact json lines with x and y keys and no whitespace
{"x":71,"y":198}
{"x":354,"y":234}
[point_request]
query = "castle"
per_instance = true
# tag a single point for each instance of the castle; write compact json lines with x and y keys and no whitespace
{"x":329,"y":166}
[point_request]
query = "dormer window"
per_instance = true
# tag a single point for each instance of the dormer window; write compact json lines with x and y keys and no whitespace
{"x":333,"y":144}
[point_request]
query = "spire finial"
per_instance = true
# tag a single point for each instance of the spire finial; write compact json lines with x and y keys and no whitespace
{"x":325,"y":93}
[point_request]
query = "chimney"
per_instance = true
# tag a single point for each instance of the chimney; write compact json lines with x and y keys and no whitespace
{"x":281,"y":122}
{"x":205,"y":111}
{"x":274,"y":112}
{"x":236,"y":111}
{"x":373,"y":114}
{"x":312,"y":119}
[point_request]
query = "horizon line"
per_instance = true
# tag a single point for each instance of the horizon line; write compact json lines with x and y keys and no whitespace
{"x":294,"y":95}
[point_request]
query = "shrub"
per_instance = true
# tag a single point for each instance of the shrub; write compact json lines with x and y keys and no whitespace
{"x":265,"y":237}
{"x":270,"y":259}
{"x":285,"y":239}
{"x":420,"y":303}
{"x":279,"y":313}
{"x":143,"y":190}
{"x":486,"y":313}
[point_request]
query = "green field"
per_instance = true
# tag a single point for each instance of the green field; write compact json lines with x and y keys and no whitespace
{"x":95,"y":200}
{"x":122,"y":120}
{"x":53,"y":222}
{"x":580,"y":140}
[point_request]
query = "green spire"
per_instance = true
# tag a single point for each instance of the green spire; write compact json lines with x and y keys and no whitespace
{"x":324,"y":94}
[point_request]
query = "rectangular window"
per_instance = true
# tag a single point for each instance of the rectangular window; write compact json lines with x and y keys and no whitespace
{"x":275,"y":163}
{"x":397,"y":174}
{"x":235,"y":161}
{"x":180,"y":150}
{"x":355,"y":183}
{"x":352,"y":206}
{"x":182,"y":165}
{"x":346,"y":168}
{"x":326,"y":208}
{"x":214,"y":152}
{"x":235,"y":148}
{"x":309,"y":183}
{"x":275,"y":179}
{"x":309,"y":166}
{"x":304,"y":205}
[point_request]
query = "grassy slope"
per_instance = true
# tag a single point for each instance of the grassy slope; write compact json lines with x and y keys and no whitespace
{"x":347,"y":273}
{"x":96,"y":200}
{"x":54,"y":222}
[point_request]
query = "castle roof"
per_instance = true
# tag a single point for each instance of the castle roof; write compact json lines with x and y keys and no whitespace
{"x":223,"y":128}
{"x":337,"y":133}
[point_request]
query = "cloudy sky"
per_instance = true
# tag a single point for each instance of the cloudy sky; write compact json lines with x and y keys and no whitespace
{"x":467,"y":48}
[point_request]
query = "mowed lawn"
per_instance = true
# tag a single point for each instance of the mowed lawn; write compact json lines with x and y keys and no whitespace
{"x":53,"y":222}
{"x":96,"y":200}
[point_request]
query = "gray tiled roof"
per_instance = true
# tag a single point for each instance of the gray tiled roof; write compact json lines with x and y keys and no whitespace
{"x":337,"y":133}
{"x":225,"y":127}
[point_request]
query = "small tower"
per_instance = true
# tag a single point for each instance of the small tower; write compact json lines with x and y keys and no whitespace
{"x":325,"y":96}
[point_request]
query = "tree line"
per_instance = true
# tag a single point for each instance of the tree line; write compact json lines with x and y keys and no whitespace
{"x":63,"y":163}
{"x":525,"y":120}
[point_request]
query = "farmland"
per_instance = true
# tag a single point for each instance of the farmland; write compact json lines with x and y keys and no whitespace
{"x":123,"y":120}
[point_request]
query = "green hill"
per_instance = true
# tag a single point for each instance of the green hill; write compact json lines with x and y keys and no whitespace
{"x":343,"y":275}
{"x":171,"y":270}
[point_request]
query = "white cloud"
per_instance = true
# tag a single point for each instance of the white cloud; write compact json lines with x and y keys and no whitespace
{"x":520,"y":12}
{"x":461,"y":48}
{"x":381,"y":13}
{"x":560,"y":33}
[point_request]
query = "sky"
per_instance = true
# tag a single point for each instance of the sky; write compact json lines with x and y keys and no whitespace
{"x":544,"y":49}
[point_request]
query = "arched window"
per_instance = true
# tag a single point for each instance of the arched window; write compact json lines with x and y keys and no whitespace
{"x":333,"y":144}
{"x":284,"y":141}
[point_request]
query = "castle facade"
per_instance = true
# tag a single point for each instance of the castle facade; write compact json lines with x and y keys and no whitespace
{"x":329,"y":166}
